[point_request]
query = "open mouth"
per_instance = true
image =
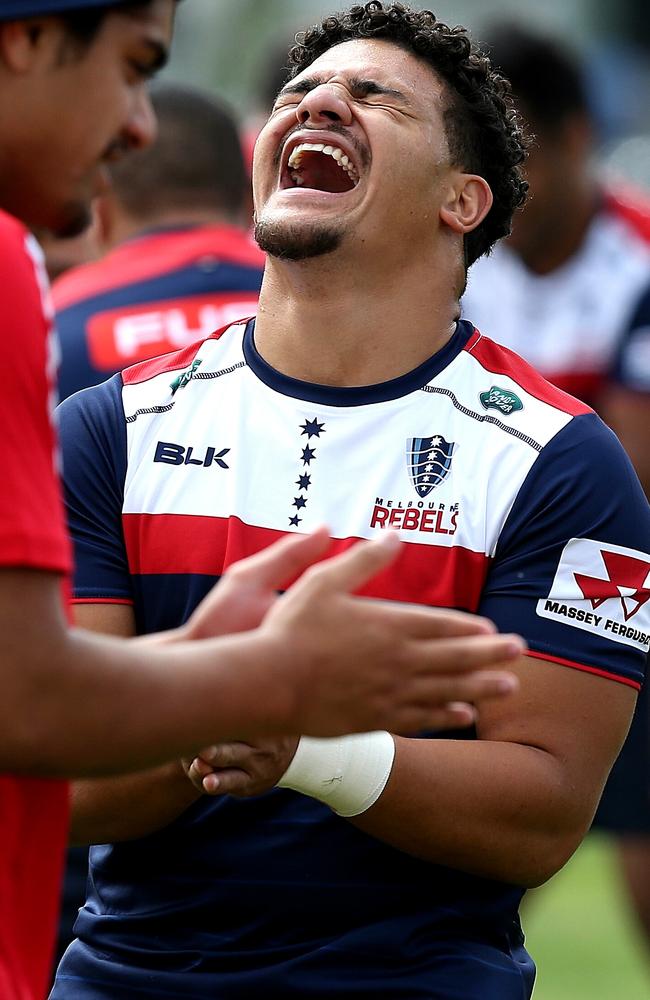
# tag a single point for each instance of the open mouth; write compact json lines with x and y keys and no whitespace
{"x":320,"y":166}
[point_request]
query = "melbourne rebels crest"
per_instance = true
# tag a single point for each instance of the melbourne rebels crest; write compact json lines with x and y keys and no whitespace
{"x":429,"y":462}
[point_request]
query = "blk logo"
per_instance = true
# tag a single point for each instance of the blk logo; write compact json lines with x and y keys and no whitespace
{"x":177,"y":454}
{"x":627,"y":580}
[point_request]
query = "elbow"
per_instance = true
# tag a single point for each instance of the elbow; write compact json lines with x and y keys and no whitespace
{"x":551,"y":847}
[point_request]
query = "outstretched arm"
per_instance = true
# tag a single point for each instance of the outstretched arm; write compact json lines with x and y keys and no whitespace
{"x":113,"y":809}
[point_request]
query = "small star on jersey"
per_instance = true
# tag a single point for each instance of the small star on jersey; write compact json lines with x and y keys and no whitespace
{"x":307,"y":455}
{"x":299,"y":502}
{"x":303,"y":482}
{"x":312,"y":428}
{"x":295,"y":520}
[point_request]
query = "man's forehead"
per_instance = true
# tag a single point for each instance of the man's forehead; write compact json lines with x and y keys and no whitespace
{"x":374,"y":58}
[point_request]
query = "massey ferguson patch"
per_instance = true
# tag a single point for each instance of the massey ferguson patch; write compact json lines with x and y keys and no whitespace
{"x":603,"y":589}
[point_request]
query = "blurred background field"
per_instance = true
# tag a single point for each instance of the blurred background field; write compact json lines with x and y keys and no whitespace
{"x":581,"y":933}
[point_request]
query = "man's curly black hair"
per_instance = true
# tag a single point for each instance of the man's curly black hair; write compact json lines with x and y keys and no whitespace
{"x":483,"y":129}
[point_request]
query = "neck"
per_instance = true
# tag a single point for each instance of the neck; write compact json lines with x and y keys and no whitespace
{"x":562,"y":232}
{"x":339,"y":325}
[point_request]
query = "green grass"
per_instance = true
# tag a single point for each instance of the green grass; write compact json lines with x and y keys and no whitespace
{"x":582,"y":935}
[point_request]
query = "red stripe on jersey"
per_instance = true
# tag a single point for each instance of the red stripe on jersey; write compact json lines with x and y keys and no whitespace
{"x":101,"y":600}
{"x":633,"y":206}
{"x":152,"y":256}
{"x":500,"y":360}
{"x":582,"y":666}
{"x":145,"y":370}
{"x":187,"y":543}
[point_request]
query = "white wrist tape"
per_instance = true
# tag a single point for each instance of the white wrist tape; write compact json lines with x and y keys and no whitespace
{"x":347,"y":773}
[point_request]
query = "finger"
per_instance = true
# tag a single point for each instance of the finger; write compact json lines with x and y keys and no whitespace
{"x":427,"y":623}
{"x":285,"y":559}
{"x":460,"y":654}
{"x":415,"y":719}
{"x":226,"y":754}
{"x":357,"y":565}
{"x":229,"y":781}
{"x":196,"y":775}
{"x":436,"y":692}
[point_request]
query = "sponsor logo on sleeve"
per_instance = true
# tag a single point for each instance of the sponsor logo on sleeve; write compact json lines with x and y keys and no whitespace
{"x":503,"y":400}
{"x":603,"y":589}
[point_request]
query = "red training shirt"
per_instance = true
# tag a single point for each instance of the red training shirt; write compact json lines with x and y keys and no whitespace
{"x":33,"y":811}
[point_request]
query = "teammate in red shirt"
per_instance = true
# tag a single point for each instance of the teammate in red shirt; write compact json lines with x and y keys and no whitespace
{"x":72,"y":99}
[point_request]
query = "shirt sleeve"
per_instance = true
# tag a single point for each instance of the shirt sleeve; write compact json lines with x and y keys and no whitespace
{"x":32,"y":524}
{"x":631,"y":368}
{"x":571,"y":571}
{"x":93,"y":441}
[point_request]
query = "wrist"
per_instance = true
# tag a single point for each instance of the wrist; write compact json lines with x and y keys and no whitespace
{"x":348,"y":773}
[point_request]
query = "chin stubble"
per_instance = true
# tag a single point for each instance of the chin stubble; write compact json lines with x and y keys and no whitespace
{"x":291,"y":243}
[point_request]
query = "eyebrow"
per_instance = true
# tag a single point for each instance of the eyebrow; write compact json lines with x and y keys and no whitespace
{"x":357,"y":85}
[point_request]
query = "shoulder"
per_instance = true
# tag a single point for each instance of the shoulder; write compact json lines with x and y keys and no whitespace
{"x":501,"y":362}
{"x":150,"y":257}
{"x":187,"y":358}
{"x":630,"y":206}
{"x":99,"y":405}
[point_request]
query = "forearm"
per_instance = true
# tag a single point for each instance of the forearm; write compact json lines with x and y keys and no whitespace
{"x":134,"y":704}
{"x":108,"y":810}
{"x":500,"y":810}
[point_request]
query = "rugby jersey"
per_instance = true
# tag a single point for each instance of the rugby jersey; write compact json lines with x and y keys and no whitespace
{"x":513,"y":500}
{"x":154,"y":293}
{"x":571,"y":323}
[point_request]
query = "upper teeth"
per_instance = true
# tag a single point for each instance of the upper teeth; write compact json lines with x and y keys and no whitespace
{"x":319,"y":147}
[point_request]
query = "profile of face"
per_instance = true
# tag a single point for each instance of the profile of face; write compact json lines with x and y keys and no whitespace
{"x":82,"y":108}
{"x":355,"y":155}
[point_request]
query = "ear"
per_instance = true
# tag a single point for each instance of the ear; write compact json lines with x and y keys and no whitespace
{"x":468,"y":201}
{"x":23,"y":44}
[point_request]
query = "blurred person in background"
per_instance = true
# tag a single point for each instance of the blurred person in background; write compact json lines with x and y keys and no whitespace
{"x":180,"y":262}
{"x":379,"y":868}
{"x":569,"y":291}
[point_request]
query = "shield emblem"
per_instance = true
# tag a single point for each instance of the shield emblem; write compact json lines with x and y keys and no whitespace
{"x":429,"y":462}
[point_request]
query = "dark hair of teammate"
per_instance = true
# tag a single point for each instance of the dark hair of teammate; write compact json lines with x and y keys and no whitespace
{"x":83,"y":25}
{"x":483,"y":129}
{"x":545,"y":74}
{"x":196,"y":161}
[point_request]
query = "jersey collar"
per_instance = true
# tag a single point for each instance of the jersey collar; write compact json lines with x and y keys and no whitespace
{"x":355,"y":395}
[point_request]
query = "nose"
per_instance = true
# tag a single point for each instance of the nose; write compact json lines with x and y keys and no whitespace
{"x":142,"y":127}
{"x":323,"y":105}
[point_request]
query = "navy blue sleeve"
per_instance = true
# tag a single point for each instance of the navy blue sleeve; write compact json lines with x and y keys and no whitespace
{"x":631,"y":367}
{"x":571,"y":571}
{"x":93,"y":441}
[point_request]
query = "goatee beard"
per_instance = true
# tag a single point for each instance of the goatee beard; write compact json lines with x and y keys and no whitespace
{"x":287,"y":243}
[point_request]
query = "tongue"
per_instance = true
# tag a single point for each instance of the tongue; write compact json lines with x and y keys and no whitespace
{"x":320,"y":171}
